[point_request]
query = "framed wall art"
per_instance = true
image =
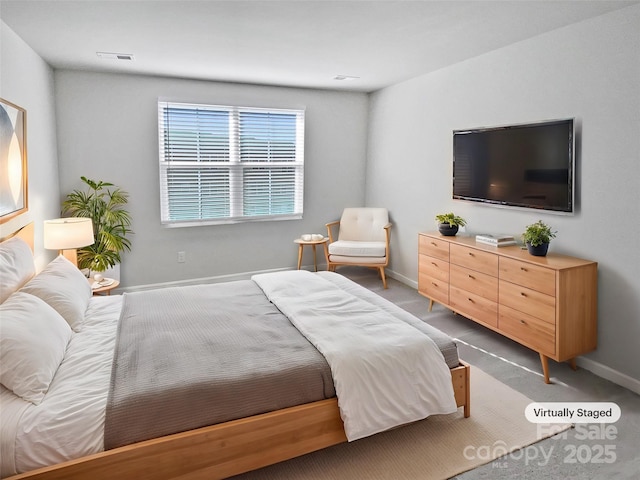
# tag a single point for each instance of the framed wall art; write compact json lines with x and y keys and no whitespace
{"x":13,"y":161}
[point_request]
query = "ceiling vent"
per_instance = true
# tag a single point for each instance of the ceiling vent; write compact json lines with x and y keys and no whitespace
{"x":345,"y":77}
{"x":115,"y":56}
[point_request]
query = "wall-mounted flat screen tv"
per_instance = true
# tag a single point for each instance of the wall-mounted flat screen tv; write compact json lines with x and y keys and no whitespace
{"x":527,"y":166}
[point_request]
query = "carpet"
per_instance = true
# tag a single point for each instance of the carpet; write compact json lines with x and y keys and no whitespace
{"x":438,"y":447}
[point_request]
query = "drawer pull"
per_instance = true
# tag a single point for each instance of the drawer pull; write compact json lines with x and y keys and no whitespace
{"x":471,"y":254}
{"x":523,"y":322}
{"x":472,"y":277}
{"x":523,"y":294}
{"x":434,"y":244}
{"x":434,"y":264}
{"x":471,"y":300}
{"x":524,"y":269}
{"x":434,"y":284}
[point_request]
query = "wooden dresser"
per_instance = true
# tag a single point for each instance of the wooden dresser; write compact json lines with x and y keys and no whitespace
{"x":548,"y":304}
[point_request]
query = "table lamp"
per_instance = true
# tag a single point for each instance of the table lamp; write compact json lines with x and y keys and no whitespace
{"x":68,"y":234}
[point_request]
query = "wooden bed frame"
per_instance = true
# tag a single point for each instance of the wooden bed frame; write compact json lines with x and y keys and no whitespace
{"x":226,"y":449}
{"x":25,"y":233}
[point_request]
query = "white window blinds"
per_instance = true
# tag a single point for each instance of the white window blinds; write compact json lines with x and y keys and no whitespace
{"x":222,"y":164}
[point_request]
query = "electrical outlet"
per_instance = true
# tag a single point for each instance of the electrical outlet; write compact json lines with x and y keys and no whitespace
{"x":182,"y":257}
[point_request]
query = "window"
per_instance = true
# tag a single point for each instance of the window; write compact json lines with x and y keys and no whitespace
{"x":224,"y":164}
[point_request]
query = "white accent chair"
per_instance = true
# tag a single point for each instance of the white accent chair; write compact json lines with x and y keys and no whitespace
{"x":363,"y":239}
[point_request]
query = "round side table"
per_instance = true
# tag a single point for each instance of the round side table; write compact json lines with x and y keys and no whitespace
{"x":301,"y":244}
{"x":105,"y":289}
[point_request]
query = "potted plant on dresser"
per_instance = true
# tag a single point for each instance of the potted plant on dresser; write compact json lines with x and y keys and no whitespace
{"x":449,"y":223}
{"x":537,"y":237}
{"x":111,"y":221}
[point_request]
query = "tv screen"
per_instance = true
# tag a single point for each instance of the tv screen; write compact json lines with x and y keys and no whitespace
{"x":528,"y":166}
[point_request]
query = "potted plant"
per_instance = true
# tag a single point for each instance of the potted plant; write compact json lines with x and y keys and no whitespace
{"x":448,"y":223}
{"x":537,"y":237}
{"x":111,"y":221}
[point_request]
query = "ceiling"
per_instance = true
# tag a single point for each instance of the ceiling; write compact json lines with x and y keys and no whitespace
{"x":303,"y":43}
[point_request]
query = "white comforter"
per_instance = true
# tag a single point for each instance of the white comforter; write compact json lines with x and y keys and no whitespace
{"x":386,"y":372}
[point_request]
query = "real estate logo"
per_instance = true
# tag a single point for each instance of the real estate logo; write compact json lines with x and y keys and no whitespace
{"x":591,"y":440}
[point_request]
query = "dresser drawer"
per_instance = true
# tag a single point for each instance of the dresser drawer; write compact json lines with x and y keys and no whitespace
{"x":474,"y":259}
{"x":474,"y":306}
{"x":434,"y":267}
{"x":529,"y":301}
{"x":526,"y":274}
{"x":433,"y":247}
{"x":482,"y":284}
{"x":528,"y":330}
{"x":433,"y":288}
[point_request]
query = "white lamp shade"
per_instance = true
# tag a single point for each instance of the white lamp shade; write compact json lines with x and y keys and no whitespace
{"x":68,"y":233}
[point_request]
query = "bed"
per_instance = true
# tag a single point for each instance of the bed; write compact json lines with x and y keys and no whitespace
{"x":41,"y":434}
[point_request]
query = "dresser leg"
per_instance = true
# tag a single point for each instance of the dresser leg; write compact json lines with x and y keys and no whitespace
{"x":430,"y":304}
{"x":572,"y":363}
{"x":545,"y":368}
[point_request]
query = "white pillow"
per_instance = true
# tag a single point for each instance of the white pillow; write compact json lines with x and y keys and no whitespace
{"x":32,"y":346}
{"x":16,"y":266}
{"x":65,"y":288}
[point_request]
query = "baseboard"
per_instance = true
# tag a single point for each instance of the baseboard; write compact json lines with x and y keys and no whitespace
{"x":246,"y":275}
{"x":610,"y":374}
{"x":199,"y":281}
{"x":401,"y":278}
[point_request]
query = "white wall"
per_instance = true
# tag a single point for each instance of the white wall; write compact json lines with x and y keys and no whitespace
{"x":108,"y":131}
{"x":27,"y":81}
{"x":590,"y":71}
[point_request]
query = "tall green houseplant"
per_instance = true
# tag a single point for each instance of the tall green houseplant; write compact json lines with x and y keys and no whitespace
{"x":111,"y":221}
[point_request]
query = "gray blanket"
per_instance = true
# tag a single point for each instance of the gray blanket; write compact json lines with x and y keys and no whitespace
{"x":182,"y":357}
{"x":189,"y":357}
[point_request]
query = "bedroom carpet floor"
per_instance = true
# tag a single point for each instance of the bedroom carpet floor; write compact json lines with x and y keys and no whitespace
{"x":594,"y":452}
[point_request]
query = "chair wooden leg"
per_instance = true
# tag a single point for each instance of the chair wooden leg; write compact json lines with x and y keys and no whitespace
{"x":384,"y":278}
{"x":326,"y":255}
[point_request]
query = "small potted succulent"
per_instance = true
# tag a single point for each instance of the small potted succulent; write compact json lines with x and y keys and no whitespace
{"x":537,"y":237}
{"x":448,"y":223}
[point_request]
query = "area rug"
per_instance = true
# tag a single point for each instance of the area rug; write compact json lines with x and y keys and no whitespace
{"x":439,"y":447}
